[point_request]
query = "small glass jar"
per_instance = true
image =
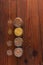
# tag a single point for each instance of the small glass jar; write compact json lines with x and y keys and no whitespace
{"x":18,"y":41}
{"x":18,"y":31}
{"x":18,"y":52}
{"x":18,"y":22}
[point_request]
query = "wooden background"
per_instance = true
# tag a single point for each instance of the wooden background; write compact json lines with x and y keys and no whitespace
{"x":31,"y":11}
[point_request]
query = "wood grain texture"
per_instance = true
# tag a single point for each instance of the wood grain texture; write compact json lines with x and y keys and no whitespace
{"x":41,"y":24}
{"x":31,"y":11}
{"x":4,"y":17}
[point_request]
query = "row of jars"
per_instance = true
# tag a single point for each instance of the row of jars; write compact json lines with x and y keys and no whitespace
{"x":18,"y":41}
{"x":18,"y":52}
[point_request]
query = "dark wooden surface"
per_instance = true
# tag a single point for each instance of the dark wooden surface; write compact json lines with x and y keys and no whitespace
{"x":31,"y":11}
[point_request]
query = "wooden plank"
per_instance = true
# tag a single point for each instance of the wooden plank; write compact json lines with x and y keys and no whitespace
{"x":22,"y":8}
{"x":4,"y":17}
{"x":34,"y":19}
{"x":40,"y":2}
{"x":28,"y":11}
